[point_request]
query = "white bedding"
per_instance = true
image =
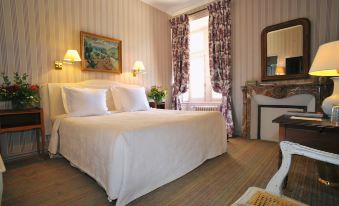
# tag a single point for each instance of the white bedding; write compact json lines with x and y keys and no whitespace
{"x":133,"y":153}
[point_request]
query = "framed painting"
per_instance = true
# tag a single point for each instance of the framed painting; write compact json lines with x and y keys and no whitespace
{"x":100,"y":53}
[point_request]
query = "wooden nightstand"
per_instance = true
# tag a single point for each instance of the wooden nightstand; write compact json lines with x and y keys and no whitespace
{"x":157,"y":106}
{"x":15,"y":121}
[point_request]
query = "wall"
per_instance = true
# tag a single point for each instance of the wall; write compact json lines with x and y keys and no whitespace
{"x":250,"y":17}
{"x":35,"y":33}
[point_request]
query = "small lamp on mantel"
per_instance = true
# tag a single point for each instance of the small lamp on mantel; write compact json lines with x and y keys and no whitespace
{"x":326,"y":63}
{"x":279,"y":70}
{"x":137,"y":68}
{"x":70,"y":57}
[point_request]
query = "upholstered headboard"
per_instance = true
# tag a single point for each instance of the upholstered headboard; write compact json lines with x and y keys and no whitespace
{"x":51,"y":99}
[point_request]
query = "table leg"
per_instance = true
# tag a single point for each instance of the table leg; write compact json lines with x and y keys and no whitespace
{"x":43,"y":134}
{"x":37,"y":140}
{"x":43,"y":138}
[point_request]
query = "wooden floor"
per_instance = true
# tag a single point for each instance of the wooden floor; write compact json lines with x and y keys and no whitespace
{"x":219,"y":181}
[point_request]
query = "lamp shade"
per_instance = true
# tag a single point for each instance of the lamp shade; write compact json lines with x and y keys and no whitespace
{"x":72,"y":56}
{"x":138,"y":66}
{"x":326,"y":61}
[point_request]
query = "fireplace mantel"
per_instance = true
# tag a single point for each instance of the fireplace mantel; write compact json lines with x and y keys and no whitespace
{"x":278,"y":92}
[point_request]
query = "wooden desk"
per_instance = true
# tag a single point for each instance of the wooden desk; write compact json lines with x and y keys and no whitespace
{"x":322,"y":135}
{"x":15,"y":121}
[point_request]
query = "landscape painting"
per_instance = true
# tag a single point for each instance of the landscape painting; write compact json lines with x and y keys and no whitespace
{"x":100,"y":54}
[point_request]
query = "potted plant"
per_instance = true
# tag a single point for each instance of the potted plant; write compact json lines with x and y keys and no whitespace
{"x":20,"y":93}
{"x":5,"y":93}
{"x":157,"y":94}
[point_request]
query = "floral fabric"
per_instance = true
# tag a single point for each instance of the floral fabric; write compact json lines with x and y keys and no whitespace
{"x":219,"y":27}
{"x":180,"y":57}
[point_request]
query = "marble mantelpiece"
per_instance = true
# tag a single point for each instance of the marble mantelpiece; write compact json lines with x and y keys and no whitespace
{"x":278,"y":92}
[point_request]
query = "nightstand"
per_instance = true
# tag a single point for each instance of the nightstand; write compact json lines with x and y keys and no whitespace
{"x":157,"y":106}
{"x":29,"y":119}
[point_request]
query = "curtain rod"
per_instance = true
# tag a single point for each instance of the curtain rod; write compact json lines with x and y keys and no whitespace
{"x":190,"y":14}
{"x":202,"y":8}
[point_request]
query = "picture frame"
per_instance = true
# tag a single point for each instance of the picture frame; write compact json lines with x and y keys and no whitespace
{"x":100,"y":53}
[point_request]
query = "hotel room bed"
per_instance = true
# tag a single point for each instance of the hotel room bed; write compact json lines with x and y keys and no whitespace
{"x":132,"y":153}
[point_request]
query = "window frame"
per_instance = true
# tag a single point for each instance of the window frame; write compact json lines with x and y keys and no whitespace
{"x":208,"y":90}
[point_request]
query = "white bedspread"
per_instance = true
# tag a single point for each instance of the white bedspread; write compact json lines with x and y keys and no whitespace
{"x":132,"y":153}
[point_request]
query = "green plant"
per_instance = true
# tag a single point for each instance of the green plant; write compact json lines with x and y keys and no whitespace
{"x":157,"y":94}
{"x":20,"y":92}
{"x":5,"y":88}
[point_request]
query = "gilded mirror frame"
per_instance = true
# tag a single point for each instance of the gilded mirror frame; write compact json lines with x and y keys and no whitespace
{"x":305,"y":23}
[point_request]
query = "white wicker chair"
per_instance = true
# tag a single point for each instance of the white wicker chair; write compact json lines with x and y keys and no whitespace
{"x":274,"y":187}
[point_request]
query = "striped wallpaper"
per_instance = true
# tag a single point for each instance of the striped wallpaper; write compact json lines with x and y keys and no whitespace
{"x":35,"y":33}
{"x":250,"y":17}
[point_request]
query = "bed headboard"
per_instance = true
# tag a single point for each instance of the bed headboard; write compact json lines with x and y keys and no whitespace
{"x":51,"y":99}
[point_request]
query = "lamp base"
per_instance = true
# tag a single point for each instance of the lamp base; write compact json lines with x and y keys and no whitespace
{"x":332,"y":100}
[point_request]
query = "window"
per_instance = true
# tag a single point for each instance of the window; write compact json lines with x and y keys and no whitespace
{"x":200,"y":89}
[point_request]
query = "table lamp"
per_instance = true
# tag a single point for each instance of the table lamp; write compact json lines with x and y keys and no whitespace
{"x":326,"y":63}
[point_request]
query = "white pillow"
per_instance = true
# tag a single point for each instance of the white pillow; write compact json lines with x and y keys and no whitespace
{"x":130,"y":99}
{"x":84,"y":102}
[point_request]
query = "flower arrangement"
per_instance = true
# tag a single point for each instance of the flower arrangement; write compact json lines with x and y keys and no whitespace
{"x":157,"y":94}
{"x":20,"y":92}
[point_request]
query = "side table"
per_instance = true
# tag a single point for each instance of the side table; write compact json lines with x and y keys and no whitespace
{"x":22,"y":120}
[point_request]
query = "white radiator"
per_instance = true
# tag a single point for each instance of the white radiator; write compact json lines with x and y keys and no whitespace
{"x":205,"y":108}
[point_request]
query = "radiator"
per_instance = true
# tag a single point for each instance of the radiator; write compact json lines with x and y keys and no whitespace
{"x":205,"y":108}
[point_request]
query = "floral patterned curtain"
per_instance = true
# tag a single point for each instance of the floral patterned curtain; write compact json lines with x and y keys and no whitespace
{"x":180,"y":57}
{"x":220,"y":56}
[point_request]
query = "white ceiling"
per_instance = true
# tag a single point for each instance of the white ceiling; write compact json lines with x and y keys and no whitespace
{"x":175,"y":7}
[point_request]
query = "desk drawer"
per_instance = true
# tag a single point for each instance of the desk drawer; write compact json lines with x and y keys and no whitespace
{"x":322,"y":140}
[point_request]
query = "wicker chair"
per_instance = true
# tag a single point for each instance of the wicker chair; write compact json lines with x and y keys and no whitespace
{"x":272,"y":195}
{"x":2,"y":170}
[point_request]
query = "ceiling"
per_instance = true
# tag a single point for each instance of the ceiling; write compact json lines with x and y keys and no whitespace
{"x":175,"y":7}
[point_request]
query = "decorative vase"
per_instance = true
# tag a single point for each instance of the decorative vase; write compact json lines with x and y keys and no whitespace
{"x":5,"y":105}
{"x":332,"y":100}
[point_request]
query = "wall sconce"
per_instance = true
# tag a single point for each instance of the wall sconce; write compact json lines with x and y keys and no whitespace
{"x":137,"y":68}
{"x":70,"y":57}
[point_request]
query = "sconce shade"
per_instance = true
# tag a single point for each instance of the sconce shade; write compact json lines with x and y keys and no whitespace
{"x":72,"y":56}
{"x":326,"y":61}
{"x":280,"y":71}
{"x":137,"y":68}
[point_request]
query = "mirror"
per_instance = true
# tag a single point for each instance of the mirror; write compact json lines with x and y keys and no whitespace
{"x":285,"y":50}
